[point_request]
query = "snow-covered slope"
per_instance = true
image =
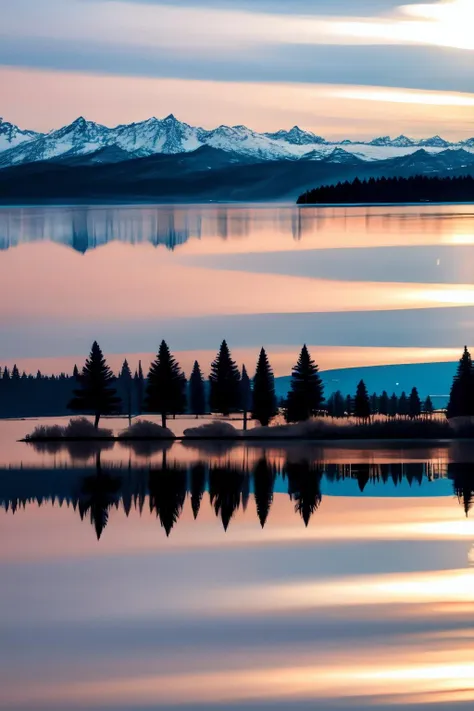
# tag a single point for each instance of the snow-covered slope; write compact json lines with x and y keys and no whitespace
{"x":11,"y":136}
{"x":171,"y":136}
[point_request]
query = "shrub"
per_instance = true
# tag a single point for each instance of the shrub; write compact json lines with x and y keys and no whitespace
{"x":146,"y":428}
{"x":82,"y":427}
{"x":213,"y":430}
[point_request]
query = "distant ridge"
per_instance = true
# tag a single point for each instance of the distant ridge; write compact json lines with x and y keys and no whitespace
{"x":170,"y":136}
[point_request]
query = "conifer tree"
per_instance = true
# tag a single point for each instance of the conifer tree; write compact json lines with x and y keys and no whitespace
{"x":264,"y":406}
{"x":393,"y":406}
{"x":349,"y":406}
{"x":306,"y":396}
{"x":6,"y":374}
{"x":384,"y":404}
{"x":362,"y":403}
{"x":166,"y":385}
{"x":428,"y":408}
{"x":224,"y":382}
{"x":126,"y":382}
{"x":374,"y":404}
{"x":336,"y":405}
{"x":461,"y":402}
{"x":403,"y":408}
{"x":75,"y":372}
{"x":197,"y":398}
{"x":139,"y":382}
{"x":96,"y":392}
{"x":15,"y":373}
{"x":245,"y":395}
{"x":414,"y":405}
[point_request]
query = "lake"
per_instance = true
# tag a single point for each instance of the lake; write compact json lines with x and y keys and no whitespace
{"x":236,"y":578}
{"x":361,"y":286}
{"x":223,"y":576}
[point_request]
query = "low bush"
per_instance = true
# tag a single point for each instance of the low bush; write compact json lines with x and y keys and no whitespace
{"x":146,"y":428}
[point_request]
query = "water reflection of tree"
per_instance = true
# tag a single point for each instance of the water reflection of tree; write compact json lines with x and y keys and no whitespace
{"x":197,"y":486}
{"x":98,"y":493}
{"x":462,"y":475}
{"x":264,"y":481}
{"x":304,"y":487}
{"x":225,"y":491}
{"x":167,"y":491}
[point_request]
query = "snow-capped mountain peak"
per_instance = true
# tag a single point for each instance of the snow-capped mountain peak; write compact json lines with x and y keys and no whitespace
{"x":11,"y":135}
{"x":296,"y":136}
{"x":434,"y":142}
{"x":169,"y":135}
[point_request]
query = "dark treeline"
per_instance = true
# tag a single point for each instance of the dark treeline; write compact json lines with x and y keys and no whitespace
{"x":418,"y":188}
{"x":227,"y":487}
{"x":165,"y":391}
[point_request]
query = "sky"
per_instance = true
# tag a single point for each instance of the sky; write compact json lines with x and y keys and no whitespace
{"x":354,"y":68}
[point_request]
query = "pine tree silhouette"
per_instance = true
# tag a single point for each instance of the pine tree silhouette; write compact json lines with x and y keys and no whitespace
{"x":384,"y":404}
{"x":306,"y":396}
{"x":403,"y":405}
{"x":245,"y":395}
{"x":96,"y":393}
{"x":166,"y":386}
{"x":428,"y":408}
{"x":139,"y":382}
{"x":264,"y":406}
{"x":362,"y":403}
{"x":461,"y":401}
{"x":197,"y":398}
{"x":224,"y":382}
{"x":393,"y":406}
{"x":126,"y":383}
{"x":414,"y":405}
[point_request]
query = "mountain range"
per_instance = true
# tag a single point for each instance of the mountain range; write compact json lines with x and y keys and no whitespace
{"x":167,"y":159}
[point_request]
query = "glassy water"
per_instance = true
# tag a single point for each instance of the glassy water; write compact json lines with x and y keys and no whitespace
{"x":361,"y":286}
{"x":236,"y":577}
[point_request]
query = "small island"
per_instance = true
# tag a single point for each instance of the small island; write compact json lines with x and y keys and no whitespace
{"x":418,"y":188}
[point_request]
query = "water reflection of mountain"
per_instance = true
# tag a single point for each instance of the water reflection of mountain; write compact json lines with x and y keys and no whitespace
{"x":87,"y":227}
{"x":94,"y":489}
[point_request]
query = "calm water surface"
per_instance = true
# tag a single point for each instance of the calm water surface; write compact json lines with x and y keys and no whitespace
{"x":361,"y":286}
{"x":240,"y":578}
{"x":332,"y":577}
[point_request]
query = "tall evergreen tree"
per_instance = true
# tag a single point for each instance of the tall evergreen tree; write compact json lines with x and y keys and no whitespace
{"x":166,"y":386}
{"x":264,"y":406}
{"x":245,"y":395}
{"x":15,"y":373}
{"x":6,"y":374}
{"x":224,"y":382}
{"x":374,"y":404}
{"x":393,"y":406}
{"x":197,"y":398}
{"x":126,"y":382}
{"x":384,"y":404}
{"x":336,"y":405}
{"x":414,"y":404}
{"x":306,"y":396}
{"x":96,"y":393}
{"x":139,"y":382}
{"x":75,"y":371}
{"x":362,"y":403}
{"x":349,"y":406}
{"x":461,"y":402}
{"x":428,"y":408}
{"x":403,"y":408}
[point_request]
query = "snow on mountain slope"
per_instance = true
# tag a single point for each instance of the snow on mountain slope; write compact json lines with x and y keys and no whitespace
{"x":78,"y":138}
{"x":12,"y":136}
{"x":166,"y":135}
{"x":171,"y":136}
